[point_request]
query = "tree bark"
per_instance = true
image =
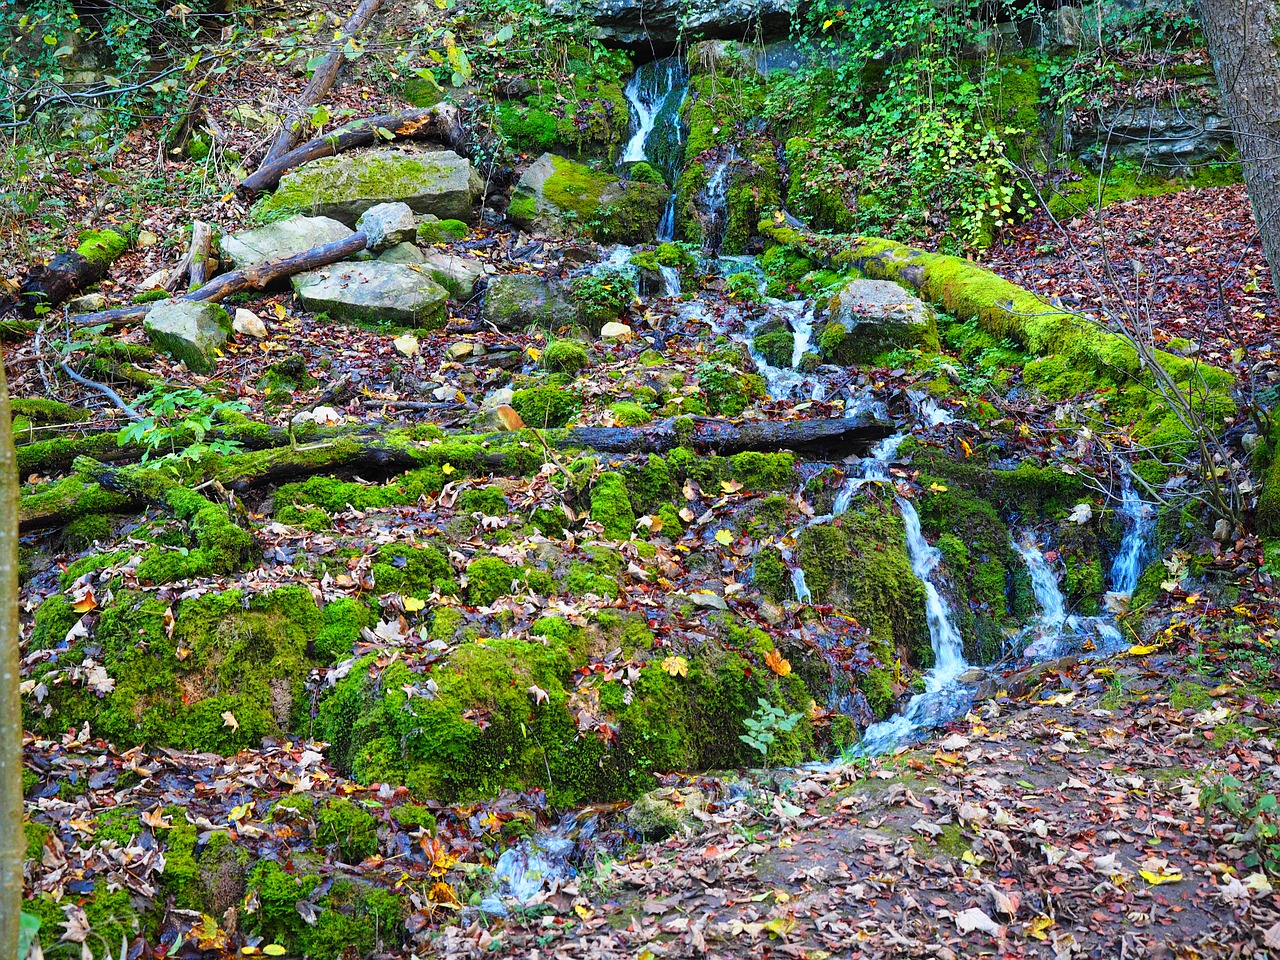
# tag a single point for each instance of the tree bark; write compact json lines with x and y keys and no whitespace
{"x":256,"y":277}
{"x":57,"y":281}
{"x":12,"y":846}
{"x":321,"y":82}
{"x":1241,"y":37}
{"x":440,"y":123}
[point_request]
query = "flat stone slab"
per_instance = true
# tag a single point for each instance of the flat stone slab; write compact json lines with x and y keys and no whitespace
{"x":438,"y":182}
{"x":281,"y":239}
{"x":458,"y":275}
{"x":375,"y":291}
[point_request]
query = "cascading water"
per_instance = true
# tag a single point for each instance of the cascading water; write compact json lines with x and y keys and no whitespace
{"x":540,"y":861}
{"x":1139,"y":519}
{"x":712,"y":200}
{"x":1055,"y":632}
{"x":1044,"y":584}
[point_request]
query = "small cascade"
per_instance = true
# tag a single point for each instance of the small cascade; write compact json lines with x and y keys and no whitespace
{"x":540,"y":862}
{"x":654,"y":93}
{"x":713,"y":202}
{"x":1140,"y":521}
{"x":1044,"y":584}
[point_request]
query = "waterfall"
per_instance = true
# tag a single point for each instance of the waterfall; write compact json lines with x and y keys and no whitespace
{"x":713,"y":201}
{"x":943,"y":698}
{"x":1044,"y":583}
{"x":1140,"y":520}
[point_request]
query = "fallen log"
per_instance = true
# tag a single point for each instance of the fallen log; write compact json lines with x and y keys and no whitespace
{"x":195,"y":261}
{"x":441,"y":123}
{"x":384,"y":454}
{"x":257,"y":277}
{"x":321,"y":82}
{"x":70,"y":273}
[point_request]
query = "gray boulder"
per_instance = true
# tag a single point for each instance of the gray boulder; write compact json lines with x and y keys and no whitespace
{"x":868,"y":317}
{"x":632,"y":22}
{"x":458,"y":275}
{"x":386,"y":225}
{"x":402,"y":253}
{"x":189,"y":331}
{"x":375,"y":291}
{"x":281,"y":239}
{"x":521,"y":299}
{"x":438,"y":182}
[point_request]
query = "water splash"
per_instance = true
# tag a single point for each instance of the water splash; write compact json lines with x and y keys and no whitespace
{"x":1055,"y":633}
{"x":541,"y":862}
{"x":655,"y":87}
{"x":1044,"y":583}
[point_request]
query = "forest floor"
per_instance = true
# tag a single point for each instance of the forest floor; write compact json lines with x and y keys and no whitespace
{"x":1062,"y":819}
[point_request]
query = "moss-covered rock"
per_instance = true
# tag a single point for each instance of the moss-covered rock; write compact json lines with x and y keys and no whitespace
{"x":611,"y":507}
{"x":557,"y":197}
{"x":565,"y":356}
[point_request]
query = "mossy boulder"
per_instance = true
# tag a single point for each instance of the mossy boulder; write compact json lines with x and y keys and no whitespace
{"x":870,"y":317}
{"x":438,"y":182}
{"x":565,"y":356}
{"x":516,"y":300}
{"x":193,"y":333}
{"x":611,"y":507}
{"x":559,"y":198}
{"x":284,"y":238}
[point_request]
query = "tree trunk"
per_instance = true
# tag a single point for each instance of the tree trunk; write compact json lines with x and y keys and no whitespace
{"x":12,"y":846}
{"x":1241,"y":37}
{"x":321,"y":82}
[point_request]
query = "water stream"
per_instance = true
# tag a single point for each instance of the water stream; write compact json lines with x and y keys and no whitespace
{"x":1140,"y":519}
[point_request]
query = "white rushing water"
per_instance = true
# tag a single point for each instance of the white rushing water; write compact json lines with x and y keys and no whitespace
{"x":1044,"y":583}
{"x":1055,"y":632}
{"x":649,"y":91}
{"x":1140,"y":519}
{"x":539,"y":863}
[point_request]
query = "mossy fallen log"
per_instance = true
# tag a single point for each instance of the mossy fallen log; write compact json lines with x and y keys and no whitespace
{"x":1072,"y":354}
{"x":48,"y":285}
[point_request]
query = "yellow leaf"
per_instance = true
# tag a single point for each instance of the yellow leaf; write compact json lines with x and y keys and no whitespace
{"x":413,"y":604}
{"x":1155,"y":879}
{"x":780,"y":926}
{"x":724,"y":537}
{"x":826,"y":25}
{"x":281,"y":313}
{"x":1038,"y":926}
{"x":86,"y":603}
{"x":229,"y":720}
{"x":274,"y":950}
{"x":676,"y":666}
{"x":447,"y":469}
{"x":240,"y":812}
{"x":1142,"y":651}
{"x":937,"y":488}
{"x":534,"y":353}
{"x":583,"y":911}
{"x":730,"y":486}
{"x":1059,"y":699}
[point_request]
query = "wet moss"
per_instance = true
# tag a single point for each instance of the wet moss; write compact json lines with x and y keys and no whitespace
{"x":416,"y":571}
{"x":629,"y":414}
{"x":565,"y":356}
{"x":611,"y":507}
{"x":352,"y":830}
{"x":547,"y":406}
{"x":770,"y":574}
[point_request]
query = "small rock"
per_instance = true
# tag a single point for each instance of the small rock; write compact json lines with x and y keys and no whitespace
{"x":147,"y":238}
{"x":458,"y":275}
{"x":249,"y":323}
{"x":375,"y":291}
{"x":615,"y":331}
{"x":91,"y":303}
{"x":284,"y":238}
{"x":708,"y":601}
{"x":387,"y":225}
{"x":189,"y":331}
{"x":972,"y":675}
{"x":501,"y":397}
{"x":446,"y":392}
{"x":667,"y":810}
{"x":457,"y":351}
{"x":500,"y":419}
{"x":154,"y":282}
{"x":324,"y":416}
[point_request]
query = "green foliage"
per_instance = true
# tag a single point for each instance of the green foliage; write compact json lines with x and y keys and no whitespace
{"x":726,"y":390}
{"x":601,"y":297}
{"x":765,"y":724}
{"x":1255,"y":811}
{"x":353,"y":830}
{"x":177,"y":425}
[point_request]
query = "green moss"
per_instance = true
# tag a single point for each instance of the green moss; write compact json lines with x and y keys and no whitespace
{"x":549,"y":406}
{"x":489,"y":501}
{"x":442,"y":231}
{"x":763,"y":471}
{"x":488,"y":578}
{"x":565,"y":356}
{"x":35,"y":834}
{"x":343,"y":620}
{"x":352,"y":830}
{"x":584,"y":579}
{"x":629,"y":414}
{"x":118,"y":825}
{"x":770,"y":574}
{"x":775,"y":346}
{"x":102,"y":246}
{"x":726,"y":389}
{"x":611,"y":507}
{"x":411,"y":816}
{"x":416,"y":571}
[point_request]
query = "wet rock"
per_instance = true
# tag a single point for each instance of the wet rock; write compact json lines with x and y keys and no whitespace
{"x":281,"y":239}
{"x":375,"y":291}
{"x":500,"y":419}
{"x":386,"y":225}
{"x":1022,"y":682}
{"x":631,"y":22}
{"x":972,"y":675}
{"x":438,"y":182}
{"x":249,"y":323}
{"x":458,"y":275}
{"x":868,"y":317}
{"x":559,"y":198}
{"x":666,"y":811}
{"x":188,"y":331}
{"x":519,"y":300}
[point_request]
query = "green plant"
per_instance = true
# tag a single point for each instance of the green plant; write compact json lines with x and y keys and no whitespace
{"x":765,"y":724}
{"x":1257,"y":813}
{"x":177,"y":425}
